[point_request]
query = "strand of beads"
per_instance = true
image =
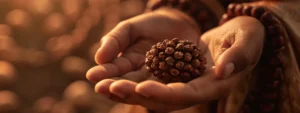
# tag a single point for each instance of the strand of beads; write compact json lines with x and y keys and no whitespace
{"x":264,"y":96}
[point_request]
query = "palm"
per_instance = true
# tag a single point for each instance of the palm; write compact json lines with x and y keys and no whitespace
{"x":138,"y":50}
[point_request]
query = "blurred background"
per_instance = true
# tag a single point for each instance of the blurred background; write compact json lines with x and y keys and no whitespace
{"x":46,"y":47}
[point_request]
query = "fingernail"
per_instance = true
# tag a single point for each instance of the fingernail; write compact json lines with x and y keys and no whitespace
{"x":228,"y":70}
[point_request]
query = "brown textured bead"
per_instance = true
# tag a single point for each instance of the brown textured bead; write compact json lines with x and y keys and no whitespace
{"x":163,"y":66}
{"x":161,"y":46}
{"x":196,"y":72}
{"x":202,"y":69}
{"x":169,"y":50}
{"x":157,"y":73}
{"x":188,"y":67}
{"x":155,"y":60}
{"x":150,"y":69}
{"x":180,"y":46}
{"x":175,"y":40}
{"x":231,"y":9}
{"x":165,"y":41}
{"x":176,"y":79}
{"x":154,"y":51}
{"x":276,"y":61}
{"x":187,"y":57}
{"x":238,"y":10}
{"x":224,"y":19}
{"x":147,"y":53}
{"x":154,"y":66}
{"x":154,"y":47}
{"x":186,"y":42}
{"x":174,"y":72}
{"x":202,"y":59}
{"x":257,"y":12}
{"x":170,"y":61}
{"x":178,"y":55}
{"x":170,"y":44}
{"x":195,"y":53}
{"x":165,"y":77}
{"x":267,"y":19}
{"x":150,"y":57}
{"x":247,"y":10}
{"x":175,"y":61}
{"x":188,"y":48}
{"x":277,"y":43}
{"x":179,"y":65}
{"x":194,"y":47}
{"x":161,"y":55}
{"x":148,"y":62}
{"x":186,"y":74}
{"x":274,"y":30}
{"x":157,"y":45}
{"x":196,"y":63}
{"x":166,"y":74}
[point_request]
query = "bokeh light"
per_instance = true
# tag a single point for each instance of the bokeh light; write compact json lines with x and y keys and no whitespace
{"x":46,"y":47}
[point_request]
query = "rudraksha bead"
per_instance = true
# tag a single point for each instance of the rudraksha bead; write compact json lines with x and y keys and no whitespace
{"x":175,"y":61}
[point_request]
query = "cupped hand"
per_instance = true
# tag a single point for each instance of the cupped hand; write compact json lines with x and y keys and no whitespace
{"x":122,"y":51}
{"x":232,"y":50}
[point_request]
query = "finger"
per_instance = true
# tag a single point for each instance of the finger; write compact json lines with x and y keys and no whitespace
{"x":244,"y":52}
{"x":119,"y":66}
{"x":114,"y":42}
{"x":175,"y":93}
{"x":166,"y":93}
{"x":102,"y":87}
{"x":200,"y":90}
{"x":100,"y":72}
{"x":126,"y":90}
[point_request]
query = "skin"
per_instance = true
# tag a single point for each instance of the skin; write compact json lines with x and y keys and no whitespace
{"x":232,"y":51}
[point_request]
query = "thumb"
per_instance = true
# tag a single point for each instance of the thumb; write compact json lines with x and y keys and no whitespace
{"x":241,"y":56}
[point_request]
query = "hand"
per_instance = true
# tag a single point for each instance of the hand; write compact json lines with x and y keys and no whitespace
{"x":122,"y":51}
{"x":233,"y":48}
